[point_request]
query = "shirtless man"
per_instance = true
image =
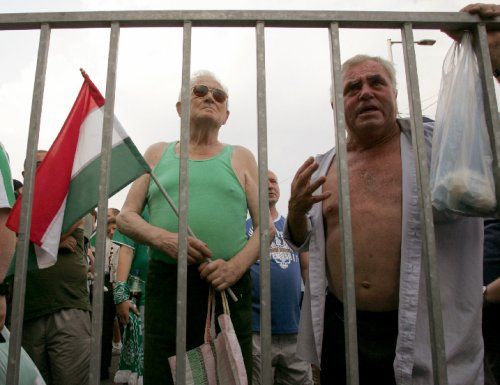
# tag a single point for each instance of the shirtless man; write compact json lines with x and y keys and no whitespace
{"x":222,"y":186}
{"x":393,"y":335}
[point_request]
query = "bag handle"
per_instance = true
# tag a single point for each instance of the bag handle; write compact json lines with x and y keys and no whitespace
{"x":210,"y":320}
{"x":210,"y":315}
{"x":225,"y":303}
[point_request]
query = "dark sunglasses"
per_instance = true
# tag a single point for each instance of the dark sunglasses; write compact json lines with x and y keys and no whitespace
{"x":201,"y":90}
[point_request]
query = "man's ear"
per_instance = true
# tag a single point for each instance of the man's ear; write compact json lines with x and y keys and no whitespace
{"x":178,"y":108}
{"x":225,"y":119}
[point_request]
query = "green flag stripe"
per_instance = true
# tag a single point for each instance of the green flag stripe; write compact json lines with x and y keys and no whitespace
{"x":126,"y":165}
{"x":6,"y":186}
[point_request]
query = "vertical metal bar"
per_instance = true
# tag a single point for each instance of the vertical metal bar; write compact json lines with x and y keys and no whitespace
{"x":265,"y":273}
{"x":490,"y":102}
{"x":180,"y":348}
{"x":428,"y":241}
{"x":22,"y":247}
{"x":102,"y":220}
{"x":350,"y":329}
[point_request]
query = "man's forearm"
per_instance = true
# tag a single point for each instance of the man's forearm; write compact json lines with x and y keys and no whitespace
{"x":135,"y":227}
{"x":249,"y":254}
{"x":125,"y":258}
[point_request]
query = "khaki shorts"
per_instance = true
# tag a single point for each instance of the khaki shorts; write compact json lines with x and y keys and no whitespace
{"x":59,"y":345}
{"x":287,"y":368}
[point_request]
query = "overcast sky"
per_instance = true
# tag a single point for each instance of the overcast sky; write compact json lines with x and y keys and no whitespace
{"x":299,"y":120}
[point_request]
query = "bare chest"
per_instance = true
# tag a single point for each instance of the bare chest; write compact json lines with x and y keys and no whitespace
{"x":374,"y":184}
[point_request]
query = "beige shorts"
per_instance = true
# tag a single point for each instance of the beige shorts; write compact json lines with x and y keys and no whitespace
{"x":59,"y":345}
{"x":287,"y":368}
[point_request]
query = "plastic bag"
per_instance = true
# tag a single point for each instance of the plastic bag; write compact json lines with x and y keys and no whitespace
{"x":461,"y":179}
{"x":28,"y":372}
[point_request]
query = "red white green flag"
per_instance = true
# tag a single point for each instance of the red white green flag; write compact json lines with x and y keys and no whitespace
{"x":67,"y":181}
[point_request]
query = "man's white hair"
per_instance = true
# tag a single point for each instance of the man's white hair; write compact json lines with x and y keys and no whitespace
{"x":359,"y":59}
{"x":205,"y":74}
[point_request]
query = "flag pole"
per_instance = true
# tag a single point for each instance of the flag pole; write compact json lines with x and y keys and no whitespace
{"x":174,"y":208}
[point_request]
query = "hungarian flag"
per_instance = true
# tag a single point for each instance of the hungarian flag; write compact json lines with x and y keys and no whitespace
{"x":67,"y":181}
{"x":6,"y":187}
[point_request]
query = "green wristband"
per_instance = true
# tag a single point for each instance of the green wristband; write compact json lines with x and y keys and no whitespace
{"x":121,"y":292}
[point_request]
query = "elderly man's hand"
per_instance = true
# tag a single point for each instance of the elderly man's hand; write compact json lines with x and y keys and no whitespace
{"x":301,"y":197}
{"x":221,"y":274}
{"x":123,"y":310}
{"x":483,"y":10}
{"x":168,"y":243}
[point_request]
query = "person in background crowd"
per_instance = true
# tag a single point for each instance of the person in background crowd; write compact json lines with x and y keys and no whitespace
{"x":56,"y":328}
{"x":111,"y":337}
{"x":18,"y":187}
{"x":287,"y":268}
{"x":7,"y":237}
{"x":130,"y":297}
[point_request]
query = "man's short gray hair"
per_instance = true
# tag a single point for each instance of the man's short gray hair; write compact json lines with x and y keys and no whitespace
{"x":205,"y":74}
{"x":359,"y":59}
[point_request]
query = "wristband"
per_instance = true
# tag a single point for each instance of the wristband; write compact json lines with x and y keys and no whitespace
{"x":121,"y":292}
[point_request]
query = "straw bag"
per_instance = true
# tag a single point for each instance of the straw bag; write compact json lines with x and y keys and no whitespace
{"x":219,"y":360}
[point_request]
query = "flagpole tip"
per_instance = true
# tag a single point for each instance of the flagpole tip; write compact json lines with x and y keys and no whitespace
{"x":84,"y":74}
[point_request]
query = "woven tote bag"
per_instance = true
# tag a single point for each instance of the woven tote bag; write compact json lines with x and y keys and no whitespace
{"x":219,"y":360}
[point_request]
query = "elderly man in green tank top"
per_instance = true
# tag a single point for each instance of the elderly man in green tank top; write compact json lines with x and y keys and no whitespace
{"x":222,"y":187}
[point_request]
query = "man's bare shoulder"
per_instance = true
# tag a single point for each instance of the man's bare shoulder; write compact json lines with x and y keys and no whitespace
{"x":243,"y":154}
{"x":154,"y":153}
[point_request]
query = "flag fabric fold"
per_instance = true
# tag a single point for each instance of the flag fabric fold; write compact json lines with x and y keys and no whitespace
{"x":67,"y":181}
{"x":6,"y":187}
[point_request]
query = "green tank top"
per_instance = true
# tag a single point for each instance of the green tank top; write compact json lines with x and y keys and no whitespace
{"x":217,"y":210}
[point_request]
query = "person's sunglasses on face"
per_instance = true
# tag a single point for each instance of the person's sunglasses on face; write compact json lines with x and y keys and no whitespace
{"x":201,"y":90}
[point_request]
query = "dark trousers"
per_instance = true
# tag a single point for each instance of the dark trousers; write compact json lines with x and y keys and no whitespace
{"x":377,"y":335}
{"x":160,"y":318}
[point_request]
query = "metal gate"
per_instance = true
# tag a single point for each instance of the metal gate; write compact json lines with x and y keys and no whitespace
{"x":331,"y":20}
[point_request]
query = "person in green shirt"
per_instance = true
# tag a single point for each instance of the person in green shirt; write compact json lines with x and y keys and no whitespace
{"x":129,"y":296}
{"x":222,"y":189}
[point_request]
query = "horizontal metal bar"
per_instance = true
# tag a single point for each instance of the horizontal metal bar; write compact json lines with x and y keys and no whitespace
{"x":241,"y":18}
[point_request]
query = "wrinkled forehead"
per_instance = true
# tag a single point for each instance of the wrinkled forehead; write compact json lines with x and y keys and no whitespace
{"x":365,"y":69}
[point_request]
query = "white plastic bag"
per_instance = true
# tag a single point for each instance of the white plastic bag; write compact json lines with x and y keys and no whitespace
{"x":461,"y":178}
{"x":28,"y":372}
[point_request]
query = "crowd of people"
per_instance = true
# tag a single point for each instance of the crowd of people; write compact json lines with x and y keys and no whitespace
{"x":307,"y":314}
